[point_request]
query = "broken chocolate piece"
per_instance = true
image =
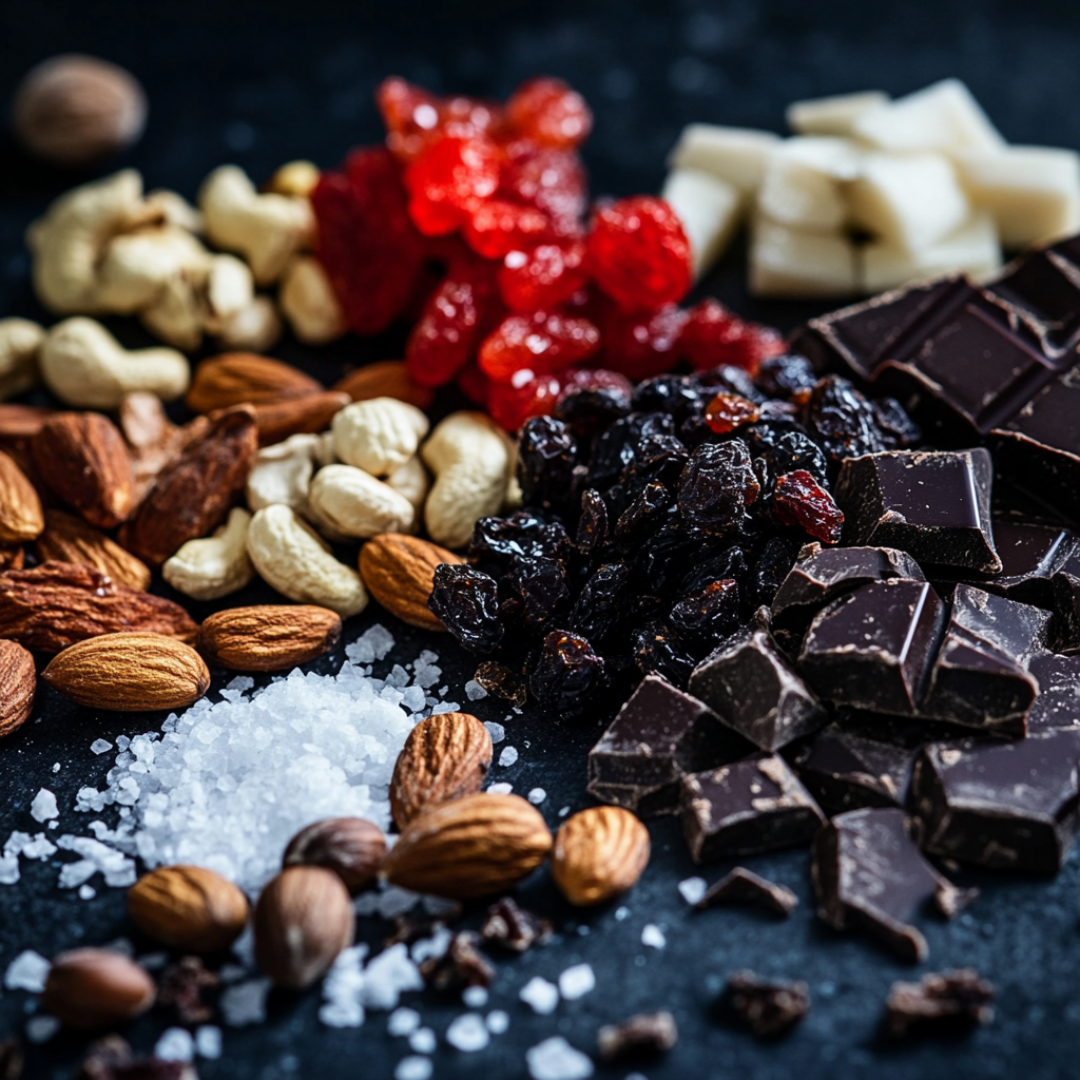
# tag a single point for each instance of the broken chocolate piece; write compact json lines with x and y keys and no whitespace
{"x":1031,"y":554}
{"x":460,"y":966}
{"x":514,"y":928}
{"x":743,"y":886}
{"x":1007,"y":806}
{"x":753,"y":805}
{"x":1066,"y":586}
{"x":768,"y":1007}
{"x":111,"y":1058}
{"x":950,"y":899}
{"x":933,"y":505}
{"x":182,"y":987}
{"x":1057,"y":708}
{"x":645,"y":802}
{"x":869,"y":875}
{"x":645,"y":1035}
{"x":941,"y":1002}
{"x":869,"y":649}
{"x":1042,"y":289}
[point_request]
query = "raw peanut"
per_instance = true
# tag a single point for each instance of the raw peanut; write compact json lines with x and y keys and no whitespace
{"x":96,"y":988}
{"x":399,"y":571}
{"x":352,"y":847}
{"x":189,"y":908}
{"x":385,"y":378}
{"x":238,"y":378}
{"x":598,"y":854}
{"x":278,"y":420}
{"x":69,"y":539}
{"x":268,"y":637}
{"x":18,"y":682}
{"x":21,"y":517}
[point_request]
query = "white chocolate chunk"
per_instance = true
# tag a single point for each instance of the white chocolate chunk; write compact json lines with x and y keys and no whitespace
{"x":913,"y":200}
{"x":709,"y":209}
{"x":832,"y":115}
{"x":737,"y":155}
{"x":944,"y":116}
{"x":1033,"y":192}
{"x":804,"y":183}
{"x":792,"y":263}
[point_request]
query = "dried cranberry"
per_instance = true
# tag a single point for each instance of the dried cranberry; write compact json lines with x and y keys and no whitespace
{"x":498,"y":227}
{"x":524,"y":396}
{"x":713,"y":336}
{"x":552,"y":181}
{"x":542,"y":343}
{"x":549,"y":113}
{"x":449,"y":182}
{"x":717,"y":485}
{"x":532,"y":280}
{"x":446,"y":336}
{"x":466,"y":601}
{"x":642,"y":345}
{"x":800,"y":501}
{"x":704,"y":616}
{"x":639,"y":254}
{"x":726,"y":412}
{"x":566,"y":673}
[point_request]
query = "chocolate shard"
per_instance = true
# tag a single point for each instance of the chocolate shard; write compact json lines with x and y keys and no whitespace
{"x":1066,"y":589}
{"x":1007,"y":806}
{"x":1042,"y":290}
{"x":868,"y":649}
{"x":743,"y":886}
{"x":1057,"y":708}
{"x":642,"y":1036}
{"x":869,"y":875}
{"x":950,"y":899}
{"x":941,"y":1002}
{"x":645,"y":802}
{"x":768,"y":1007}
{"x":514,"y":928}
{"x":750,"y":806}
{"x":933,"y":505}
{"x":1031,"y":554}
{"x":461,"y":966}
{"x":754,"y":690}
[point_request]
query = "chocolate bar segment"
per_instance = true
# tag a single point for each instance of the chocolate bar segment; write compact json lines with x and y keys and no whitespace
{"x":1057,"y":708}
{"x":1031,"y":554}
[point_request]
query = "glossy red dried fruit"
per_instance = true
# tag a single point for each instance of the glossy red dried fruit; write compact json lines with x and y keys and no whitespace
{"x":499,"y":226}
{"x":639,"y":254}
{"x":642,"y":345}
{"x":411,"y":116}
{"x":446,"y":336}
{"x":714,"y":336}
{"x":542,"y":277}
{"x":726,"y":412}
{"x":549,"y":113}
{"x":552,"y":181}
{"x":449,"y":181}
{"x":542,"y":342}
{"x":800,"y":501}
{"x":524,"y":396}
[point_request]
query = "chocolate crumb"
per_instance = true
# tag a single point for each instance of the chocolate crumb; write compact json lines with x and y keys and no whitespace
{"x":408,"y":931}
{"x":768,"y":1007}
{"x":501,"y":682}
{"x":743,"y":886}
{"x":460,"y":966}
{"x":182,"y":987}
{"x":111,"y":1059}
{"x":512,"y":927}
{"x":641,"y":1036}
{"x":941,"y":1002}
{"x":950,"y":899}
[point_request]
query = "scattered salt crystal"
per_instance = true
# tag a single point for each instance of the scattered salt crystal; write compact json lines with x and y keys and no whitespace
{"x":56,"y":767}
{"x":576,"y":981}
{"x":556,"y":1059}
{"x":9,"y":869}
{"x":468,"y":1033}
{"x":495,"y":730}
{"x":431,"y":948}
{"x":101,"y":746}
{"x":498,"y":1022}
{"x":537,"y":796}
{"x":564,"y":811}
{"x":208,"y":1042}
{"x":500,"y":789}
{"x":245,"y":1003}
{"x":41,"y":1028}
{"x":423,"y":1041}
{"x":438,"y":907}
{"x":343,"y":988}
{"x":692,"y":889}
{"x":87,"y":892}
{"x":389,"y":975}
{"x":123,"y":742}
{"x":27,"y":972}
{"x":373,"y":644}
{"x":540,"y":995}
{"x":413,"y":1068}
{"x":39,"y":848}
{"x":476,"y":997}
{"x":508,"y":756}
{"x":175,"y":1044}
{"x":412,"y":697}
{"x":44,"y":808}
{"x":622,"y":913}
{"x":403,"y":1021}
{"x":474,"y":691}
{"x":445,"y":706}
{"x":653,"y":936}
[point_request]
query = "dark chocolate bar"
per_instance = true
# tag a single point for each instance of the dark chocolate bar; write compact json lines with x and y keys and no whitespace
{"x":1057,"y":708}
{"x":1031,"y":555}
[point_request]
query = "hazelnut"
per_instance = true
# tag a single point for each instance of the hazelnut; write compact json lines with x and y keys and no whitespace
{"x":75,"y":109}
{"x":352,"y":847}
{"x":189,"y":908}
{"x":96,"y":988}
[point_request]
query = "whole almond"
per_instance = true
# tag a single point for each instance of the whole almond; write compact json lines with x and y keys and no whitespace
{"x":194,"y":494}
{"x":57,"y":604}
{"x":473,"y":846}
{"x":399,"y":571}
{"x":83,"y":459}
{"x":96,"y":988}
{"x":598,"y":854}
{"x":300,"y":416}
{"x":69,"y":539}
{"x":385,"y":378}
{"x":21,"y":516}
{"x":18,"y":682}
{"x":303,"y":921}
{"x":352,"y":847}
{"x":129,"y":673}
{"x":189,"y":908}
{"x":445,"y":756}
{"x":268,"y":637}
{"x":239,"y":378}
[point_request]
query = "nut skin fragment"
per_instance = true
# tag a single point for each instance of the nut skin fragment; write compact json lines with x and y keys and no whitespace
{"x":599,"y":853}
{"x":378,"y":435}
{"x":239,"y":378}
{"x":444,"y":757}
{"x":96,"y":988}
{"x":69,"y":539}
{"x":18,"y":683}
{"x":215,"y":566}
{"x":129,"y":673}
{"x":268,"y":637}
{"x":471,"y":847}
{"x":352,"y":848}
{"x":303,"y":920}
{"x":189,"y":908}
{"x":21,"y":516}
{"x":385,"y":378}
{"x":399,"y":572}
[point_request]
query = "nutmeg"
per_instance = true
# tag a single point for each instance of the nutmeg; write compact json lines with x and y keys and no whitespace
{"x":75,"y":109}
{"x":189,"y":908}
{"x":352,"y":847}
{"x":96,"y":988}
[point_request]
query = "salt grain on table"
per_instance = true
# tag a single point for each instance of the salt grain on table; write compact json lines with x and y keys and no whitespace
{"x":537,"y":796}
{"x":540,"y":995}
{"x":474,"y":691}
{"x":498,"y":1022}
{"x":27,"y":972}
{"x":476,"y":997}
{"x":413,"y":1068}
{"x":556,"y":1059}
{"x":495,"y":730}
{"x":245,"y":1003}
{"x":44,"y":807}
{"x":692,"y":889}
{"x":423,"y":1041}
{"x":576,"y":981}
{"x":508,"y":756}
{"x":653,"y":936}
{"x":208,"y":1042}
{"x":175,"y":1044}
{"x":468,"y":1033}
{"x":402,"y":1021}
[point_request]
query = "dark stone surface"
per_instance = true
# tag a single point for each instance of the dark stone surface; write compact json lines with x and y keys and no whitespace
{"x":260,"y":83}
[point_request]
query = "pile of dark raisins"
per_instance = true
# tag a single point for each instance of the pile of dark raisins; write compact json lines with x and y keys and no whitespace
{"x":654,"y":523}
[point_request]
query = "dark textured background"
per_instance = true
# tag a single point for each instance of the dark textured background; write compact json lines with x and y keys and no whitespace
{"x":260,"y":83}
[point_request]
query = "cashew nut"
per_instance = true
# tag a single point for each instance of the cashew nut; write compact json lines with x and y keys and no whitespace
{"x":137,"y":266}
{"x":266,"y":229}
{"x":84,"y":365}
{"x":412,"y":481}
{"x":20,"y":342}
{"x":309,"y":303}
{"x":176,"y":210}
{"x":354,"y":504}
{"x":282,"y":473}
{"x":469,"y":455}
{"x":295,"y":178}
{"x":293,"y":559}
{"x":378,"y":435}
{"x":254,"y":328}
{"x":215,"y":566}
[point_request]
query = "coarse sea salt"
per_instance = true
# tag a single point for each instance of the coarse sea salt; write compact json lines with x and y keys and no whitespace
{"x":468,"y":1033}
{"x":577,"y":981}
{"x":556,"y":1059}
{"x":692,"y":889}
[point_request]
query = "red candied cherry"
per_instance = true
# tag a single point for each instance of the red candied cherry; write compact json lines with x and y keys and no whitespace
{"x":542,"y":277}
{"x":449,"y":328}
{"x":411,"y":116}
{"x":642,"y":345}
{"x":713,"y":336}
{"x":595,"y":379}
{"x":639,"y":254}
{"x":498,"y":227}
{"x":542,"y":342}
{"x":466,"y":117}
{"x":549,"y":113}
{"x":726,"y":412}
{"x":525,"y":395}
{"x":449,"y":181}
{"x":474,"y":384}
{"x":552,"y":181}
{"x":800,"y":501}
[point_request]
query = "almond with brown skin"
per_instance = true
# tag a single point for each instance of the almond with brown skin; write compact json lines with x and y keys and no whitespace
{"x":194,"y":494}
{"x":352,"y":847}
{"x":188,"y":908}
{"x":83,"y":459}
{"x":129,"y":673}
{"x":18,"y":681}
{"x":21,"y":516}
{"x":57,"y":604}
{"x":445,"y":757}
{"x":69,"y":539}
{"x":268,"y":637}
{"x":153,"y":440}
{"x":301,"y":416}
{"x":473,"y":846}
{"x":12,"y":557}
{"x":239,"y":378}
{"x":399,"y":571}
{"x":598,"y":854}
{"x":96,"y":988}
{"x":22,"y":421}
{"x":385,"y":378}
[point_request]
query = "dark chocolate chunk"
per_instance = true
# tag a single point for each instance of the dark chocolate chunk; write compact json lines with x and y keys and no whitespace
{"x":1066,"y":585}
{"x":869,"y":875}
{"x":754,"y":690}
{"x":1031,"y":554}
{"x":642,"y":1036}
{"x":462,"y":965}
{"x":1008,"y":806}
{"x":111,"y":1058}
{"x":768,"y":1007}
{"x":743,"y":886}
{"x":753,"y":805}
{"x":933,"y":505}
{"x":940,"y":1002}
{"x":869,"y":649}
{"x":1057,"y":708}
{"x":514,"y":928}
{"x":645,"y":802}
{"x":1042,"y":291}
